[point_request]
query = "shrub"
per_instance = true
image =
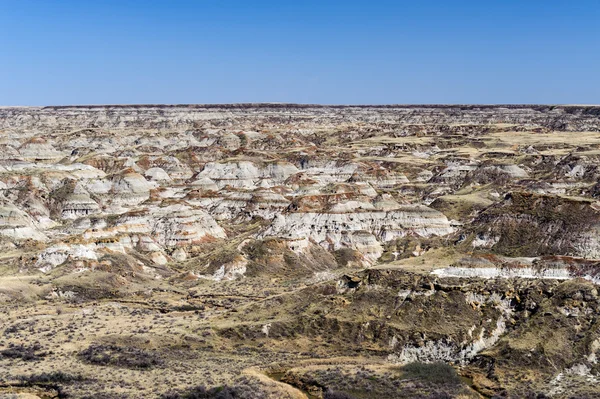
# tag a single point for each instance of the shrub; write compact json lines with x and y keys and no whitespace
{"x":437,"y":373}
{"x":200,"y":392}
{"x":106,"y":395}
{"x":120,"y":356}
{"x":336,"y":395}
{"x":25,"y":353}
{"x":240,"y":391}
{"x":55,"y":377}
{"x":440,"y":395}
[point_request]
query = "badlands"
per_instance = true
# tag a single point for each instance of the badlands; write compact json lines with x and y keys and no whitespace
{"x":299,"y":251}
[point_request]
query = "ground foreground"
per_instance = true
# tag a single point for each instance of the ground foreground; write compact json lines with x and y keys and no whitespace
{"x":286,"y":251}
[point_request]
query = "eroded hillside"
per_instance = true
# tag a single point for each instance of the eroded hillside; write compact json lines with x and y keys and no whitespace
{"x":300,"y":251}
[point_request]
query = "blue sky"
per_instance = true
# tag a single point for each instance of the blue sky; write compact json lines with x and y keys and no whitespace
{"x":305,"y":51}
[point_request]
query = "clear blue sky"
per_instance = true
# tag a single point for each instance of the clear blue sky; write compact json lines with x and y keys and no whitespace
{"x":306,"y":51}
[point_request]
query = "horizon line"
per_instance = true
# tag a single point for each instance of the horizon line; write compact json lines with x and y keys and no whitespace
{"x":301,"y":105}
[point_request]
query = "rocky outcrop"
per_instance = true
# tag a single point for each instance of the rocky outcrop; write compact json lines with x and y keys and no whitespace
{"x":526,"y":224}
{"x":18,"y":225}
{"x":168,"y":226}
{"x":246,"y":174}
{"x":358,"y":228}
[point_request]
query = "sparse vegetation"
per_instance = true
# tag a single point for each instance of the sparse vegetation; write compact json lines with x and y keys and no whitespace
{"x":55,"y":377}
{"x":243,"y":389}
{"x":329,"y":394}
{"x":120,"y":356}
{"x":437,"y":373}
{"x":26,"y":353}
